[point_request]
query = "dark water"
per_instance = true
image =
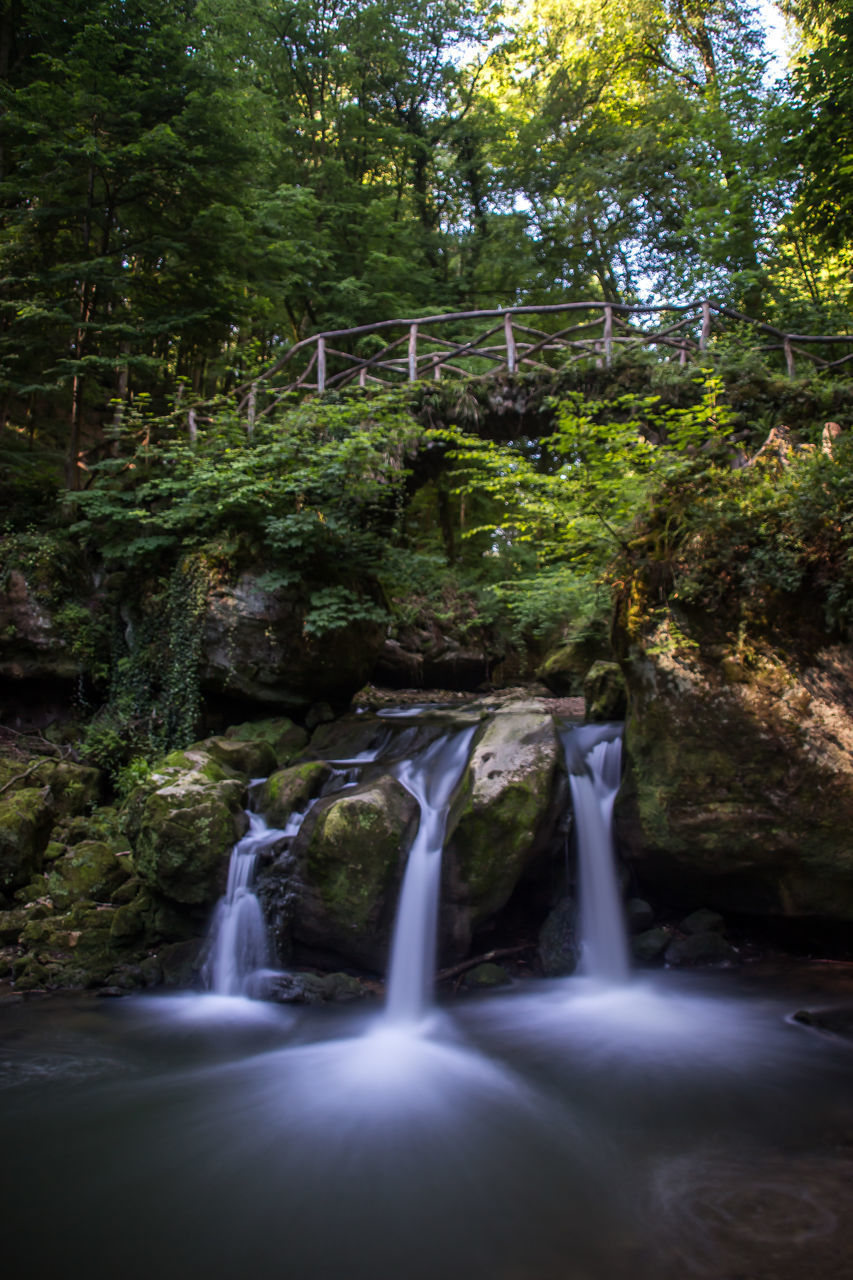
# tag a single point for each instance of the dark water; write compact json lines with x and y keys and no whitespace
{"x":672,"y":1128}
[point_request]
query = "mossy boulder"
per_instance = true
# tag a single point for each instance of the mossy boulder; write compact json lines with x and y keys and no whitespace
{"x":289,"y":790}
{"x":237,"y":756}
{"x":26,"y":820}
{"x":184,"y":829}
{"x":350,"y":854}
{"x":286,"y":738}
{"x":76,"y":788}
{"x":503,"y":815}
{"x":90,"y":871}
{"x":604,"y":692}
{"x":739,"y":794}
{"x":559,"y":946}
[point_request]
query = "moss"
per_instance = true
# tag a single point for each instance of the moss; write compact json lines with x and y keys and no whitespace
{"x":289,"y":790}
{"x":26,"y":818}
{"x":253,"y":759}
{"x":286,"y":738}
{"x":184,"y":841}
{"x":90,"y":871}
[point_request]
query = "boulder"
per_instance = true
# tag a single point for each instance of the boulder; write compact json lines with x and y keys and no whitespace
{"x":254,"y":646}
{"x":90,"y":871}
{"x":289,"y":790}
{"x":502,"y":817}
{"x":26,"y":820}
{"x":286,"y":738}
{"x":350,"y":853}
{"x":183,"y":825}
{"x":651,"y":944}
{"x":701,"y":949}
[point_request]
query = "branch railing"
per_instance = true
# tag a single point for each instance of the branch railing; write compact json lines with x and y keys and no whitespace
{"x":456,"y":344}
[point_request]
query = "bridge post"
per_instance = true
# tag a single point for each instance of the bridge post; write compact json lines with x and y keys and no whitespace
{"x":321,"y":364}
{"x":413,"y":353}
{"x":608,"y":335}
{"x":705,"y":336}
{"x":362,"y":377}
{"x":789,"y":355}
{"x":511,"y":353}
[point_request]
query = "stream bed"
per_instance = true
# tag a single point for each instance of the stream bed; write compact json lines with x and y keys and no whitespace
{"x":671,"y":1126}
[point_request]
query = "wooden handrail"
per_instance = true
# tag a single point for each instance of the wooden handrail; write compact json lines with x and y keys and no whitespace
{"x":611,"y":324}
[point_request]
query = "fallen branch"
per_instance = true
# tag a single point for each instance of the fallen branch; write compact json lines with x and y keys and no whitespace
{"x":444,"y":975}
{"x":19,"y":777}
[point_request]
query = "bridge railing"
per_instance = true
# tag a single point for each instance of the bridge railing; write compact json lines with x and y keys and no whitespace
{"x":480,"y":344}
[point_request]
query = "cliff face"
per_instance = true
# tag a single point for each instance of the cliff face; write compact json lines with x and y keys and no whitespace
{"x":739,"y":785}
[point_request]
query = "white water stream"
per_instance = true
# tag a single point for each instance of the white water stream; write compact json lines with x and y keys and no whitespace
{"x":237,"y":941}
{"x":431,"y":777}
{"x":593,"y":759}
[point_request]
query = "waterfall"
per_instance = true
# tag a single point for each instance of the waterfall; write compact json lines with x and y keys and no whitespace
{"x":431,"y":778}
{"x":237,"y":941}
{"x":593,"y":759}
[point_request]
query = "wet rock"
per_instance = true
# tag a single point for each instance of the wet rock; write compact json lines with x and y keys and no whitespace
{"x":837,"y":1022}
{"x":351,"y":853}
{"x":180,"y":963}
{"x":651,"y":944}
{"x":559,"y":949}
{"x":255,"y":646}
{"x":701,"y":949}
{"x":503,"y":815}
{"x":289,"y":790}
{"x":703,"y":921}
{"x":483,"y":976}
{"x":605,"y":692}
{"x":314,"y":988}
{"x":26,"y":819}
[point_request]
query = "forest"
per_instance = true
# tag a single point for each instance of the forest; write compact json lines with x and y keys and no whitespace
{"x":187,"y":189}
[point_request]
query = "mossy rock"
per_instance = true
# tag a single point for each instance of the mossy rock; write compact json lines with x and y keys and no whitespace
{"x":484,"y":976}
{"x":76,"y":788}
{"x":286,"y":738}
{"x":605,"y":693}
{"x":289,"y":790}
{"x":183,"y":834}
{"x":351,"y":854}
{"x":12,"y":924}
{"x":26,"y":819}
{"x":91,"y":871}
{"x":503,"y":813}
{"x":251,"y":758}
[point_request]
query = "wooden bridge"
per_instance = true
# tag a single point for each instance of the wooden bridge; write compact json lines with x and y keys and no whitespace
{"x":480,"y":344}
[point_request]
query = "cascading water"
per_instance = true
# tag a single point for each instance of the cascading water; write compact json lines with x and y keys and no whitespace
{"x":431,"y":778}
{"x":237,"y":942}
{"x":593,"y":758}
